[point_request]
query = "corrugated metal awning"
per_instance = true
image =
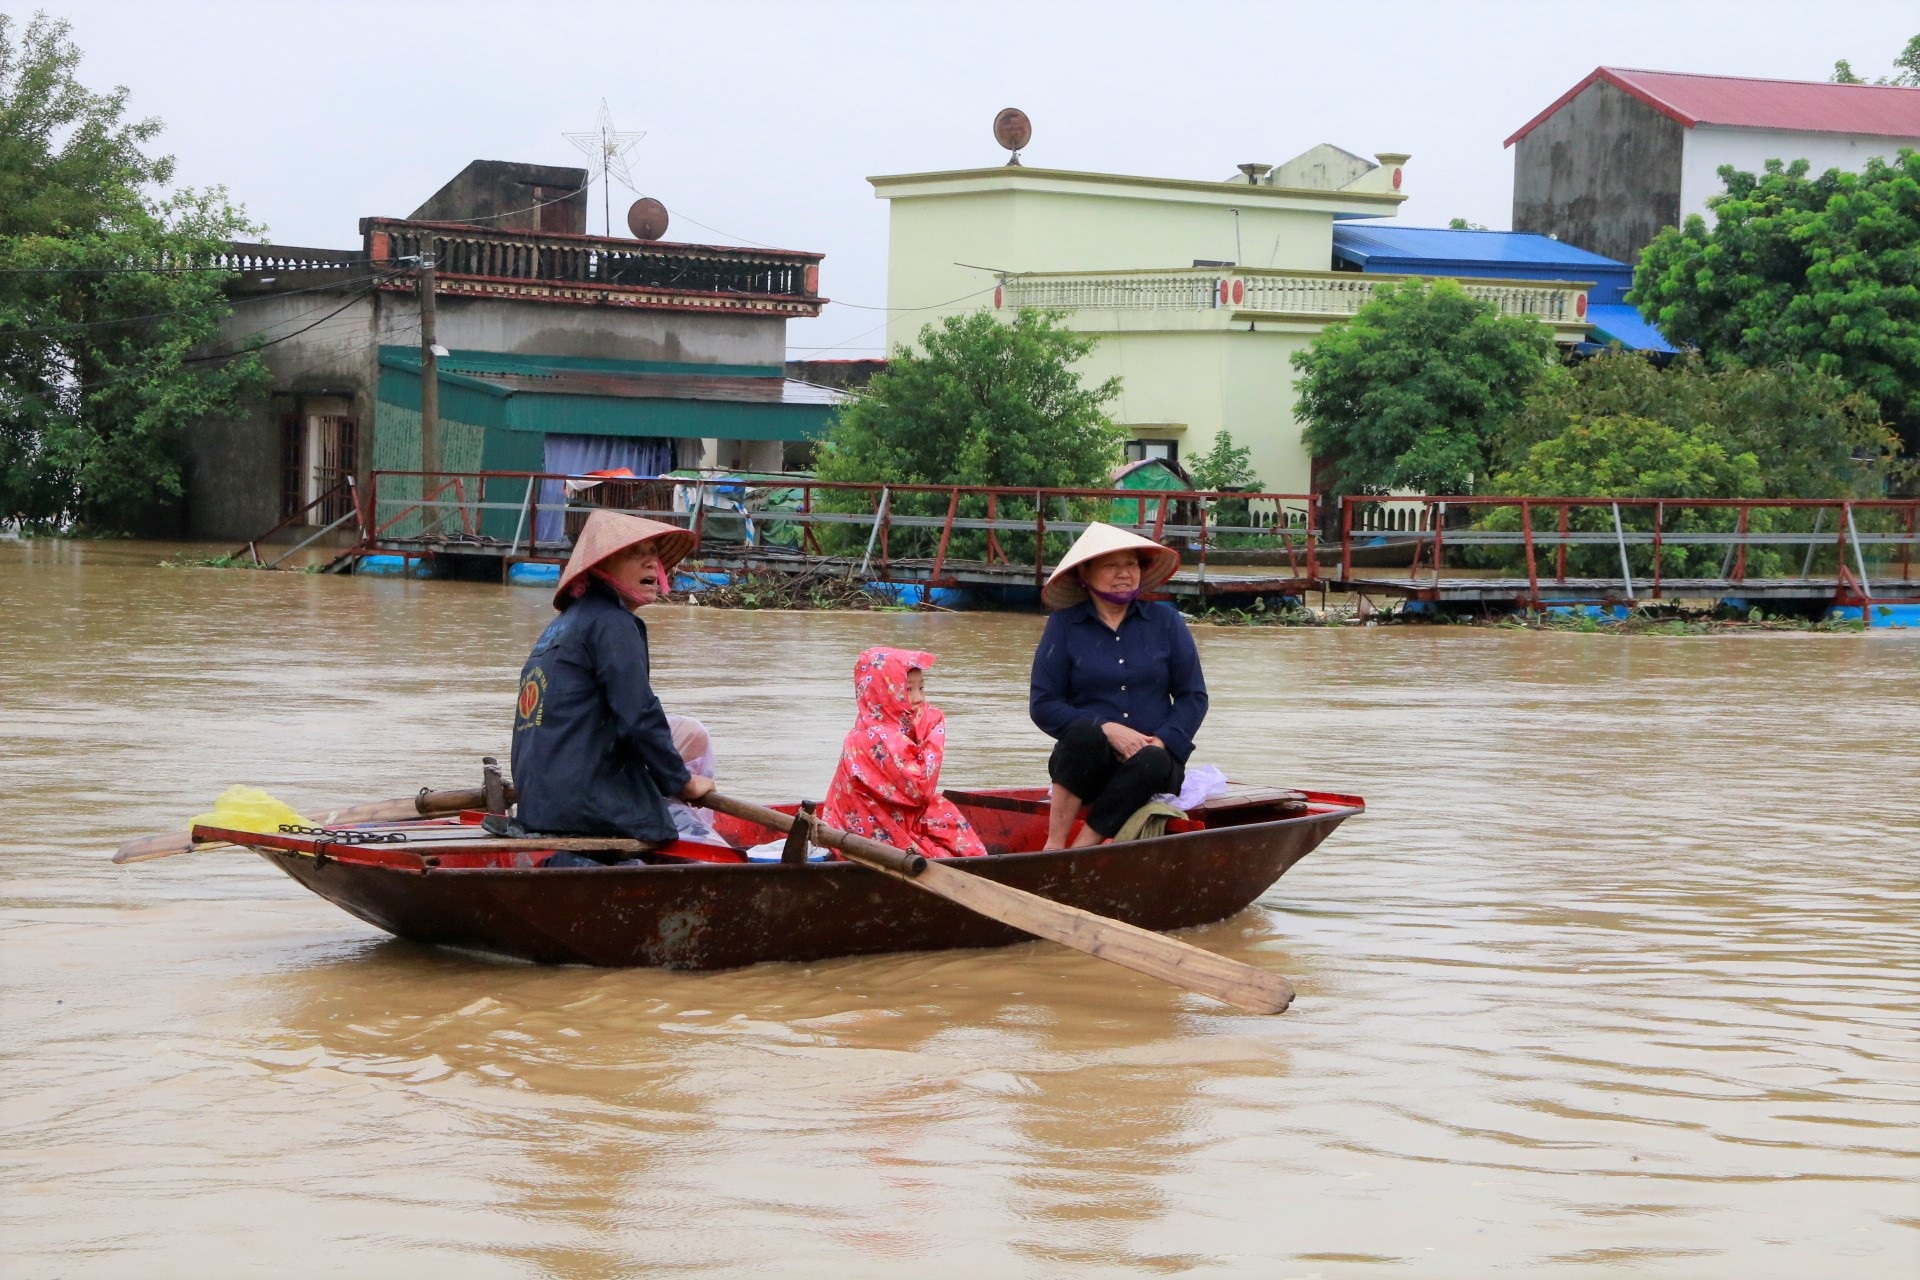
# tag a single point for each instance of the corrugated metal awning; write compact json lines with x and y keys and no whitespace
{"x":1623,"y":324}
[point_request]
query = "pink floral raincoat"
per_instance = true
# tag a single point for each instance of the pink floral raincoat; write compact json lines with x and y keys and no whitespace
{"x":887,"y":787}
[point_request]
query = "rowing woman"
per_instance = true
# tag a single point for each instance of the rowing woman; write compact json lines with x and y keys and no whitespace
{"x":593,"y":753}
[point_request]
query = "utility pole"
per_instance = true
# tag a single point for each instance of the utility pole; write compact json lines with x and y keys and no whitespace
{"x":429,"y":374}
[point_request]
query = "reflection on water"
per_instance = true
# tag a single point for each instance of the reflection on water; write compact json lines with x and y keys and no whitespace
{"x":1621,"y":968}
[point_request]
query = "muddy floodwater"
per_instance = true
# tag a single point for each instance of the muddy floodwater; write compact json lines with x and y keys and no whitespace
{"x":1619,"y":975}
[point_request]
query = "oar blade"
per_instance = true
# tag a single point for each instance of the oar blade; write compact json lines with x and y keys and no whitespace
{"x":1154,"y":954}
{"x":147,"y":848}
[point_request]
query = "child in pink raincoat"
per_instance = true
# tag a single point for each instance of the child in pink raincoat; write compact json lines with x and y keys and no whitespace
{"x":887,"y":787}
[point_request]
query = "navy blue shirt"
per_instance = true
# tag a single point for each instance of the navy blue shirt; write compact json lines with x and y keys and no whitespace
{"x":592,"y":754}
{"x":1145,"y":675}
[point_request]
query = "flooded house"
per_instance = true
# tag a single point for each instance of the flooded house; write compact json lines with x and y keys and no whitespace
{"x":554,"y":351}
{"x":1199,"y":290}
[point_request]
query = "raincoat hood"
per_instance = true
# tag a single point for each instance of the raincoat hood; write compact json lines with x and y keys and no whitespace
{"x":880,"y":685}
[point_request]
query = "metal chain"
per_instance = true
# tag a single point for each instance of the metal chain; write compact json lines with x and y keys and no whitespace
{"x":345,"y":837}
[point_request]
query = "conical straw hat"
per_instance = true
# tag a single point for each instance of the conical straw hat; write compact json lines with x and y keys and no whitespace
{"x":1065,"y":588}
{"x":607,"y":533}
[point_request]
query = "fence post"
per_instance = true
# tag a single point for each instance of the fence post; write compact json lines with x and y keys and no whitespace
{"x":1906,"y":548}
{"x":520,"y":525}
{"x":946,"y":536}
{"x":879,"y":511}
{"x":1866,"y":583}
{"x":1203,"y":550}
{"x":1740,"y":558}
{"x":1659,"y":518}
{"x":1039,"y":540}
{"x":1346,"y":538}
{"x":1813,"y":543}
{"x":1312,"y":535}
{"x":1560,"y":556}
{"x":1620,"y":538}
{"x":1439,"y":519}
{"x":1533,"y":568}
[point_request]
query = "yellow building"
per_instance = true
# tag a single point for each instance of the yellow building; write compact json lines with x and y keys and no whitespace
{"x":1199,"y":291}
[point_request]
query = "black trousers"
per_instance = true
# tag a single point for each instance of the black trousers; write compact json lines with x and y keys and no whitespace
{"x":1084,"y":763}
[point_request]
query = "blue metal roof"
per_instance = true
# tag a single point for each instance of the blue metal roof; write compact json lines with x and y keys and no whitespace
{"x":1618,"y":322}
{"x":1504,"y":255}
{"x":1370,"y":245}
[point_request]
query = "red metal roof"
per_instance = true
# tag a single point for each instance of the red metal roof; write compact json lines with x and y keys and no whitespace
{"x":1802,"y":105}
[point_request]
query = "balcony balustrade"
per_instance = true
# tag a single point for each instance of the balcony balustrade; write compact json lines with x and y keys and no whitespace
{"x":602,"y":269}
{"x":1246,"y":293}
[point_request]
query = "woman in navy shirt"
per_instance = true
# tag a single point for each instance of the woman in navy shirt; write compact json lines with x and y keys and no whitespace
{"x":1116,"y":682}
{"x":593,"y":753}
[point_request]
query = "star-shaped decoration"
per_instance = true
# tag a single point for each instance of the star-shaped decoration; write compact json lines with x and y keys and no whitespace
{"x":606,"y":147}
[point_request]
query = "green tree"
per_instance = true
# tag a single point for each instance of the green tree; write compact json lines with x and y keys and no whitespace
{"x":981,"y":403}
{"x":98,"y":317}
{"x":1906,"y":69}
{"x":1224,"y":465}
{"x":1624,"y":456}
{"x":1821,"y":272}
{"x":1814,"y":436}
{"x":1409,"y":393}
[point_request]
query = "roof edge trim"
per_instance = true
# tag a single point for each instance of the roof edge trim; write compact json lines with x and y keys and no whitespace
{"x":1614,"y":78}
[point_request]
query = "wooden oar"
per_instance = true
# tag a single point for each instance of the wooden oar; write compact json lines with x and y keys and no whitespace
{"x":1141,"y":950}
{"x":424,"y":805}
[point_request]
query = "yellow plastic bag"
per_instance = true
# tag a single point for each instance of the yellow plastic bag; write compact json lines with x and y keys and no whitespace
{"x":249,"y":809}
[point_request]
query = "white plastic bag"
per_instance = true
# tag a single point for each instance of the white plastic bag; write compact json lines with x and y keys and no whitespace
{"x":1203,"y":783}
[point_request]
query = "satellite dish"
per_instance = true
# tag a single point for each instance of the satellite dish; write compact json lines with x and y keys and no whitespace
{"x":1012,"y":130}
{"x":647,"y":219}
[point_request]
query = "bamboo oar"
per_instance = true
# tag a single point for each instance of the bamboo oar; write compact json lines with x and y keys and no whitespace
{"x":425,"y":804}
{"x":1141,"y":950}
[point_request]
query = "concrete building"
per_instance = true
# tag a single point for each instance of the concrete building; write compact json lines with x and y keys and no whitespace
{"x":565,"y":353}
{"x":1625,"y":153}
{"x":1199,"y":291}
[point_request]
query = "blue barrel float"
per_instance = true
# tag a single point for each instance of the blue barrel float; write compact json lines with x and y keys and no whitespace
{"x":533,"y":573}
{"x":1904,"y":614}
{"x":394,"y":567}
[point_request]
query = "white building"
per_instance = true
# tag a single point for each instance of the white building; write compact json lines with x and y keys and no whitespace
{"x":1625,"y":153}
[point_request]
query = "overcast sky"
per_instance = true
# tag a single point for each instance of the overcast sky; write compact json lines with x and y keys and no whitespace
{"x":763,"y":120}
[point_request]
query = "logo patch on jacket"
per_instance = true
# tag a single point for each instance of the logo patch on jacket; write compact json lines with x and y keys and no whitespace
{"x":532,"y":706}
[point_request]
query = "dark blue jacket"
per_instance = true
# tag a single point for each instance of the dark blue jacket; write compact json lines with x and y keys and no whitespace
{"x":1146,"y":675}
{"x":591,"y":751}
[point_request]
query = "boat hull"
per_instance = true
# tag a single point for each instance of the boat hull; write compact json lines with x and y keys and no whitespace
{"x":724,"y":916}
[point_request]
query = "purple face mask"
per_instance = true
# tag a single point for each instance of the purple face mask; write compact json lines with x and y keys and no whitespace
{"x":1114,"y":597}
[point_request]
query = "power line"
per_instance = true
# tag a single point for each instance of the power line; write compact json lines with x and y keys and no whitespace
{"x":181,"y":311}
{"x":366,"y":292}
{"x":931,"y":306}
{"x":489,"y":217}
{"x":231,"y":355}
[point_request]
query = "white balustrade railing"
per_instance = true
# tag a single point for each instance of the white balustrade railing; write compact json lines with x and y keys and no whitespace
{"x":1269,"y":292}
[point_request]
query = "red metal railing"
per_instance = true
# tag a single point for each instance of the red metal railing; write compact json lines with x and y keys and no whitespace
{"x":1429,"y":523}
{"x":1633,"y":546}
{"x":1280,"y":525}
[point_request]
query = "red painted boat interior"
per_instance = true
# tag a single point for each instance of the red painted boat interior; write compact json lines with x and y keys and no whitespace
{"x":1009,"y":820}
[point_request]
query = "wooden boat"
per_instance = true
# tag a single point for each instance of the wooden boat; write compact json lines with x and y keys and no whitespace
{"x":445,"y":881}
